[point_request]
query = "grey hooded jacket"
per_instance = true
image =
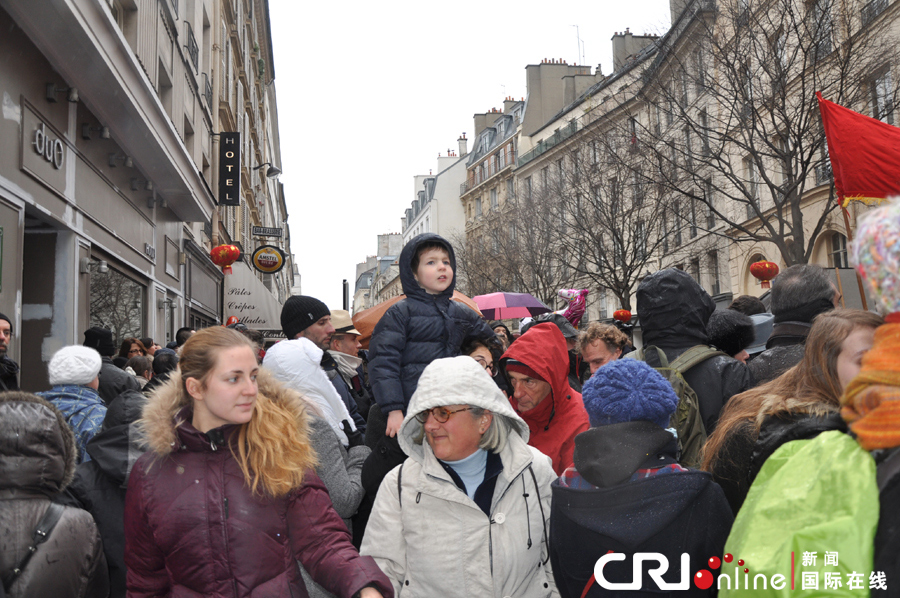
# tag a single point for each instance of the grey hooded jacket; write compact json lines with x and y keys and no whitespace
{"x":37,"y":461}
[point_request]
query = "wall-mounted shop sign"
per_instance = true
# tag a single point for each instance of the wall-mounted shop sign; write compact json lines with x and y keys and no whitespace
{"x":268,"y":259}
{"x":266,"y":231}
{"x":50,"y":148}
{"x":44,"y":150}
{"x":229,"y":169}
{"x":247,"y":299}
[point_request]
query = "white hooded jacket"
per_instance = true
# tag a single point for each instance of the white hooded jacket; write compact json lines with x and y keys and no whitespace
{"x":430,"y":538}
{"x":297,"y":363}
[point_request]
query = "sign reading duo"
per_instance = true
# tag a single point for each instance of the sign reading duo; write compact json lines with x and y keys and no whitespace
{"x":229,"y":169}
{"x":268,"y":259}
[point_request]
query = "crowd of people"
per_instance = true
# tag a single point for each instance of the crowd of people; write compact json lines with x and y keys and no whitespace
{"x":451,"y":456}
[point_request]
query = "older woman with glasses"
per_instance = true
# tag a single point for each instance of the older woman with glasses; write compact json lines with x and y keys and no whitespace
{"x":466,"y":514}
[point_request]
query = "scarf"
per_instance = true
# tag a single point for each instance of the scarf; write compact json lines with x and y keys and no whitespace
{"x":347,"y":364}
{"x":871,"y":402}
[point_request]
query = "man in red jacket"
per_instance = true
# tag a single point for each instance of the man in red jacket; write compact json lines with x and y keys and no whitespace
{"x":537,"y":365}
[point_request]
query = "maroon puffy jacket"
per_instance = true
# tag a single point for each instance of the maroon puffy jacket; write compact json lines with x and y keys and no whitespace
{"x":193,"y":528}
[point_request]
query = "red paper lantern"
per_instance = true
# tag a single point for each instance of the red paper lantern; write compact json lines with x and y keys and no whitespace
{"x":224,"y":256}
{"x":622,"y":315}
{"x":764,"y":272}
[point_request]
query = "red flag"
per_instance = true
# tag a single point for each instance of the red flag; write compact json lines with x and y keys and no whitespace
{"x":864,"y":152}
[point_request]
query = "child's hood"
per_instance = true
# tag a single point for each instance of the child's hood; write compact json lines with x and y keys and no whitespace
{"x":410,"y":286}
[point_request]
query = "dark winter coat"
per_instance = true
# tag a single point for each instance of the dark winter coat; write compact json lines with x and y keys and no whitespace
{"x":193,"y":527}
{"x":673,"y":311}
{"x":730,"y":331}
{"x":784,"y":350}
{"x":99,"y":485}
{"x":114,"y":381}
{"x":37,"y":460}
{"x":887,"y":538}
{"x":83,"y":410}
{"x":675,"y":513}
{"x":417,"y":330}
{"x":744,"y":452}
{"x":555,"y":421}
{"x":9,"y":374}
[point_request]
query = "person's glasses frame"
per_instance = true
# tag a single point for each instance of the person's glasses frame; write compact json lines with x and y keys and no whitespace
{"x":441,"y":414}
{"x":490,"y":368}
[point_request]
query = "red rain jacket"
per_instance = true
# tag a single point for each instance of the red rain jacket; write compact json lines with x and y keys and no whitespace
{"x":560,"y":417}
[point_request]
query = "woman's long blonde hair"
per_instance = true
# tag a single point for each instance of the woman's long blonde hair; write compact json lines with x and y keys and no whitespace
{"x":273,"y":448}
{"x":812,"y":386}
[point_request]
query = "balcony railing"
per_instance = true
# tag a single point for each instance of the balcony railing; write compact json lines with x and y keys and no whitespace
{"x":494,"y":167}
{"x":872,"y":10}
{"x":546,"y":144}
{"x":824,"y":174}
{"x":192,"y":48}
{"x":207,"y":90}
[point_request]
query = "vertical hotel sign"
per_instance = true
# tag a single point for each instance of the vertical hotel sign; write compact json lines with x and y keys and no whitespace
{"x":230,"y":169}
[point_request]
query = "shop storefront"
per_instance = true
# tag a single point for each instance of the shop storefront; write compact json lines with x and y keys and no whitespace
{"x":87,"y":236}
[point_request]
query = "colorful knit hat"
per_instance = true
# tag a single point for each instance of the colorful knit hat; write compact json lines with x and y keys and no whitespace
{"x":628,"y":390}
{"x":871,"y":402}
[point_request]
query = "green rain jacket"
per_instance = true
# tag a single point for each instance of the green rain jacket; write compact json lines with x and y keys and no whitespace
{"x":811,"y":496}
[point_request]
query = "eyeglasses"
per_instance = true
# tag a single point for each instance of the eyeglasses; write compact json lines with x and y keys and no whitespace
{"x":489,"y":367}
{"x":441,"y":414}
{"x":134,"y":351}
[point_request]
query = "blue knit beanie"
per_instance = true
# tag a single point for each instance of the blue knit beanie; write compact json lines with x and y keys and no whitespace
{"x":628,"y":390}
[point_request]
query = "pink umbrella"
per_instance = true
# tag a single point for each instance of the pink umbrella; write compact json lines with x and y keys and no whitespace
{"x":503,"y":306}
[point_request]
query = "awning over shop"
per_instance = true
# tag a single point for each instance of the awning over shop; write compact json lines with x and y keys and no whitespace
{"x":253,"y":304}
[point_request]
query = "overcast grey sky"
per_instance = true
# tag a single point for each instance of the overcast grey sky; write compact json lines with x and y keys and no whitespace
{"x":369,"y":94}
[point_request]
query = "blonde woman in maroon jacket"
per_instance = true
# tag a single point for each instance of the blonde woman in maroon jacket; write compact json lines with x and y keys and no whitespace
{"x":226,"y":501}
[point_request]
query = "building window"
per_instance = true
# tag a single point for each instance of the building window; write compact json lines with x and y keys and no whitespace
{"x":676,"y":212}
{"x":752,"y":187}
{"x":603,"y":314}
{"x":709,"y":199}
{"x":701,"y":71}
{"x":688,"y":150}
{"x":883,"y":98}
{"x":693,"y":217}
{"x":703,"y":122}
{"x":510,"y":188}
{"x":117,"y":303}
{"x":714,"y":272}
{"x":528,"y":190}
{"x":633,"y":132}
{"x":640,"y":242}
{"x":494,"y":203}
{"x":478,"y":208}
{"x":821,"y":26}
{"x":839,"y":251}
{"x":695,"y":270}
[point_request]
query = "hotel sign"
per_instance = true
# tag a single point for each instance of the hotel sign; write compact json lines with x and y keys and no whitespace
{"x":229,"y":169}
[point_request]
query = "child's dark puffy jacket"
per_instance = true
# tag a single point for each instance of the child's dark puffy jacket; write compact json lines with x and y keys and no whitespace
{"x":417,"y":330}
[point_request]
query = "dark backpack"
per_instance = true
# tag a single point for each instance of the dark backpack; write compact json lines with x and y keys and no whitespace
{"x":686,"y":420}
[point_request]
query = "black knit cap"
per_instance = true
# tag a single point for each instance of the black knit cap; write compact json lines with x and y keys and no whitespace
{"x":3,"y":317}
{"x":100,"y":339}
{"x":300,"y":312}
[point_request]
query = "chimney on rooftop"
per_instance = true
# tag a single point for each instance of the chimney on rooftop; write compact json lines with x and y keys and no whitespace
{"x":463,"y":145}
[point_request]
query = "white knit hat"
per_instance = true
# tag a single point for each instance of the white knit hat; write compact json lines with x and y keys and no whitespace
{"x":74,"y":364}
